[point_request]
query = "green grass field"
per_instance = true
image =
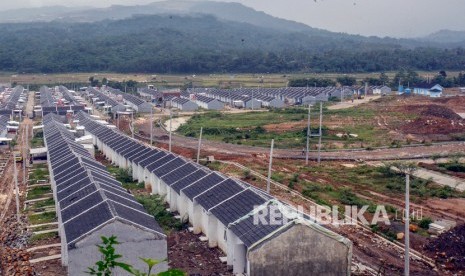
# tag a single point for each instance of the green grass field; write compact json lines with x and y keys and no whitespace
{"x":206,"y":80}
{"x":248,"y":128}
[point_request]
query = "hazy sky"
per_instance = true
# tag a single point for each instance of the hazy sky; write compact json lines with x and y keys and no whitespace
{"x":399,"y":18}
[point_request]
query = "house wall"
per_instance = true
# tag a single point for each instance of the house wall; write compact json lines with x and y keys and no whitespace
{"x":256,"y":104}
{"x":134,"y":241}
{"x":189,"y":106}
{"x":296,"y":255}
{"x":144,"y":108}
{"x":215,"y":105}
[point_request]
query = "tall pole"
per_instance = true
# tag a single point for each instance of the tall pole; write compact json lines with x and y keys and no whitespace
{"x":269,"y":167}
{"x":200,"y":144}
{"x":252,"y":98}
{"x":151,"y":124}
{"x":27,"y":142}
{"x":320,"y":133}
{"x":308,"y":136}
{"x":117,"y":119}
{"x":24,"y":157}
{"x":407,"y":225}
{"x":171,"y":117}
{"x":132,"y":124}
{"x":16,"y":187}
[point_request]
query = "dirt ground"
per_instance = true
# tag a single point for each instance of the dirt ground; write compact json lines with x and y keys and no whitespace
{"x":188,"y":253}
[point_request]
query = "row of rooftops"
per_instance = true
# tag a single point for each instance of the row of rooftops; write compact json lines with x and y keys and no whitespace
{"x":126,"y":96}
{"x":87,"y":195}
{"x":232,"y":201}
{"x":13,"y":99}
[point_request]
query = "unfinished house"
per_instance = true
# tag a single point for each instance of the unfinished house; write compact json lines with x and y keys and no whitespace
{"x":225,"y":211}
{"x":91,"y":203}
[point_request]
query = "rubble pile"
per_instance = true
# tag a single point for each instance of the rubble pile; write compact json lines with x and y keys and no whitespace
{"x":440,"y":112}
{"x":449,"y":249}
{"x":14,"y":259}
{"x":433,"y":119}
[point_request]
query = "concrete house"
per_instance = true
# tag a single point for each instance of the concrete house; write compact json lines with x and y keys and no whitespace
{"x":426,"y":89}
{"x":252,"y":103}
{"x":184,"y":104}
{"x":381,"y":90}
{"x":254,"y":238}
{"x":208,"y":103}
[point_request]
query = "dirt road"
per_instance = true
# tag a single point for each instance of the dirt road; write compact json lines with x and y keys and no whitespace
{"x":161,"y":136}
{"x":348,"y":104}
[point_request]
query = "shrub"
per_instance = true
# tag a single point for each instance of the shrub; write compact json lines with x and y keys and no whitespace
{"x":425,"y":222}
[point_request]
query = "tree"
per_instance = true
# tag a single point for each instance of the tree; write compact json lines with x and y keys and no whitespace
{"x":93,"y":81}
{"x":383,"y":78}
{"x":346,"y":80}
{"x":311,"y":82}
{"x":104,"y":81}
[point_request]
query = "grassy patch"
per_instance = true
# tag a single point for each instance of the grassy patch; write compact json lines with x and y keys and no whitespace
{"x":247,"y":128}
{"x":156,"y":207}
{"x":453,"y":167}
{"x":45,"y":236}
{"x":125,"y":177}
{"x":42,"y":204}
{"x":42,"y":218}
{"x":38,"y":140}
{"x":38,"y":192}
{"x":39,"y":173}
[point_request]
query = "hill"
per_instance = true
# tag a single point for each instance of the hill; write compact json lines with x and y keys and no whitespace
{"x":446,"y":36}
{"x":201,"y":37}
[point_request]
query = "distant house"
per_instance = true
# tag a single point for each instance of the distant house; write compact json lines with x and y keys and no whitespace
{"x":426,"y":89}
{"x":381,"y":90}
{"x":184,"y":104}
{"x":209,"y":103}
{"x":252,"y":103}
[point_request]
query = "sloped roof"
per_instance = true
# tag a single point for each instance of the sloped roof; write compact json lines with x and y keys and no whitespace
{"x":88,"y":196}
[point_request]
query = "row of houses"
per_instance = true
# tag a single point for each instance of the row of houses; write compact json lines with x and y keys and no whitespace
{"x":12,"y":101}
{"x":91,"y":203}
{"x":103,"y":101}
{"x":136,"y":103}
{"x":152,"y":94}
{"x":59,"y":101}
{"x":4,"y":125}
{"x":225,"y":210}
{"x":255,"y":98}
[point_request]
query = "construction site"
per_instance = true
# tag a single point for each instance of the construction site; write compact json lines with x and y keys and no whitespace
{"x":186,"y":194}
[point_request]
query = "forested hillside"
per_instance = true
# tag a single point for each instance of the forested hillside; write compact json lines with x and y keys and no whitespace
{"x":202,"y":44}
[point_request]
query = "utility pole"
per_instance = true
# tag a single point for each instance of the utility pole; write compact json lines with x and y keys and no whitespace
{"x":16,"y":187}
{"x":171,"y":118}
{"x":269,"y":167}
{"x":200,"y":144}
{"x":320,"y":133}
{"x":117,"y":119}
{"x":407,"y":225}
{"x":151,"y":124}
{"x":252,"y":98}
{"x":132,"y":124}
{"x":24,"y":157}
{"x":308,"y":136}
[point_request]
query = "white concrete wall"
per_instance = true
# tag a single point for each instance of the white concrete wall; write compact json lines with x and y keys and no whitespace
{"x":135,"y":243}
